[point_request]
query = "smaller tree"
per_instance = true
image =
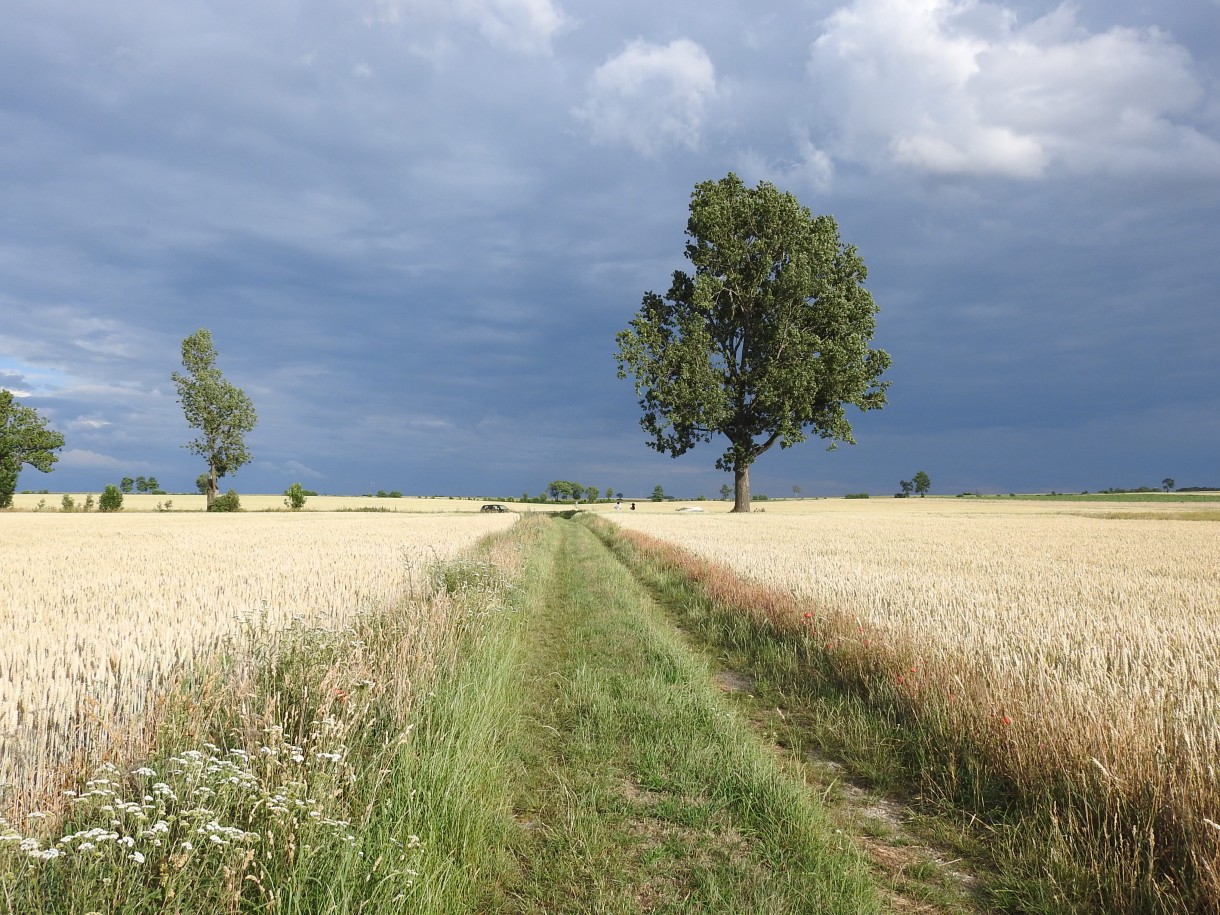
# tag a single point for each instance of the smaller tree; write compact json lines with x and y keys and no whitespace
{"x":294,"y":497}
{"x":24,"y":439}
{"x":141,"y":484}
{"x":125,"y":484}
{"x":907,"y":486}
{"x":67,"y":503}
{"x":1167,"y":483}
{"x":796,"y":490}
{"x":111,"y":499}
{"x":726,"y":492}
{"x":221,"y":412}
{"x":201,"y":483}
{"x":591,"y":493}
{"x":923,"y":483}
{"x":658,"y":494}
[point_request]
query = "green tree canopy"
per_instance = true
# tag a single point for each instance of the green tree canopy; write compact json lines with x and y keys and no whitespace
{"x":24,"y":439}
{"x":294,"y":497}
{"x":221,"y":412}
{"x":766,"y":343}
{"x":922,"y":483}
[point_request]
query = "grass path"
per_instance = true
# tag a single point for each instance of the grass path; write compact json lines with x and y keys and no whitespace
{"x":641,"y":788}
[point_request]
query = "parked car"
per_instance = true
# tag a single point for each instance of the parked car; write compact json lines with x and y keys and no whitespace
{"x":493,"y":507}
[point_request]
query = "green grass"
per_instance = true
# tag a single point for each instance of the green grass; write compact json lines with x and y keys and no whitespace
{"x":642,"y":789}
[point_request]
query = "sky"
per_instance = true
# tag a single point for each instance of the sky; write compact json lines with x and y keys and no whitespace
{"x":414,"y":227}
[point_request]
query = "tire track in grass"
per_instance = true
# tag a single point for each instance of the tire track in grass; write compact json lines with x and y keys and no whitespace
{"x":642,"y":790}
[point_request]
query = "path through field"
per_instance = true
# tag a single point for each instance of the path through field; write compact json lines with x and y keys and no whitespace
{"x":653,"y":779}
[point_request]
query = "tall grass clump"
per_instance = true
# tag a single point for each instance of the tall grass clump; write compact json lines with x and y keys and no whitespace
{"x":1062,"y":697}
{"x":348,"y":768}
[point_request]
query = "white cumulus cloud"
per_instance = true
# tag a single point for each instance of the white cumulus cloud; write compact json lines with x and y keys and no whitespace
{"x":650,"y":97}
{"x":964,"y":87}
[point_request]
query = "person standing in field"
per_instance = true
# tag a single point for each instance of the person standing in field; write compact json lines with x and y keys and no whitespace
{"x":618,"y":506}
{"x":633,"y":506}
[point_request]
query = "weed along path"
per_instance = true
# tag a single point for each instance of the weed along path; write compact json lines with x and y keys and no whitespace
{"x":641,"y":788}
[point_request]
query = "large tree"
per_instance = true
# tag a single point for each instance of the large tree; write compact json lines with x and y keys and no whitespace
{"x":221,"y":412}
{"x":24,"y":439}
{"x":766,"y":343}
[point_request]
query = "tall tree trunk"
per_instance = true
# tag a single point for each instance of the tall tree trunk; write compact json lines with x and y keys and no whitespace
{"x":741,"y":488}
{"x":213,"y":488}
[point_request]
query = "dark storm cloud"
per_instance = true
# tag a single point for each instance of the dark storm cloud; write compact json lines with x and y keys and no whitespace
{"x":414,"y":227}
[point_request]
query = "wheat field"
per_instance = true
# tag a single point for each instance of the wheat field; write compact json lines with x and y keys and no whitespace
{"x":1079,"y":642}
{"x":99,"y":612}
{"x":1053,"y":605}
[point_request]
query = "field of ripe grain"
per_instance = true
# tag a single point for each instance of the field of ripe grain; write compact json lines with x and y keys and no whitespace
{"x":194,"y":502}
{"x":1054,"y":606}
{"x":99,"y":611}
{"x":1074,"y":643}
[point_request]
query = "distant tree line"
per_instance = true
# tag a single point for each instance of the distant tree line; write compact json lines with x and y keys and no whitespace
{"x":141,"y":484}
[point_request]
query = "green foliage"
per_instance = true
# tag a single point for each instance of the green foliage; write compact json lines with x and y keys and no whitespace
{"x":221,"y":412}
{"x":125,"y":484}
{"x":229,"y":502}
{"x":201,"y":483}
{"x":658,"y":494}
{"x":24,"y":439}
{"x":726,"y":492}
{"x":88,"y":502}
{"x":856,"y":495}
{"x":111,"y":499}
{"x":560,"y":490}
{"x":766,"y":343}
{"x":294,"y":497}
{"x":922,"y":483}
{"x":67,"y":503}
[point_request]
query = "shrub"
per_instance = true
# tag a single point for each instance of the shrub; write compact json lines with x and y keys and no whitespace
{"x":294,"y":497}
{"x":68,"y":504}
{"x":856,"y":495}
{"x":229,"y":502}
{"x":111,"y":499}
{"x":88,"y":502}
